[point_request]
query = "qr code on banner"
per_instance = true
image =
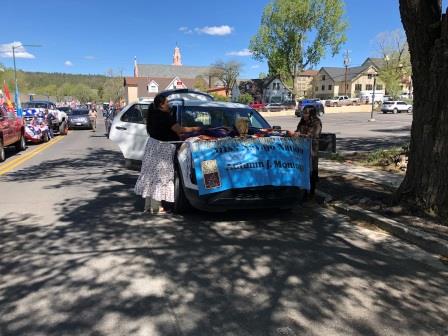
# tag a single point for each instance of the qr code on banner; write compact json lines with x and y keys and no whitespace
{"x":211,"y":174}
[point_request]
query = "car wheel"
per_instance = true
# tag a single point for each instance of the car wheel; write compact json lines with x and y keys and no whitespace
{"x":63,"y":128}
{"x":181,"y":204}
{"x":2,"y":152}
{"x":21,"y":144}
{"x":395,"y":111}
{"x":45,"y":137}
{"x":410,"y":110}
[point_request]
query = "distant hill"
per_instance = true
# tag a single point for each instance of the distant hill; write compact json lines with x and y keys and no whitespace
{"x":59,"y":85}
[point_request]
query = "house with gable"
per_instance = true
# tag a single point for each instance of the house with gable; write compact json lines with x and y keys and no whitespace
{"x":150,"y":79}
{"x":335,"y":81}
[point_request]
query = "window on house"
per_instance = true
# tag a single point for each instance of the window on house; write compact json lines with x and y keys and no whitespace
{"x":369,"y":87}
{"x":358,"y":87}
{"x":153,"y":88}
{"x":323,"y":87}
{"x":323,"y":77}
{"x":379,"y":87}
{"x":330,"y":87}
{"x":369,"y":76}
{"x":273,"y":86}
{"x":316,"y":88}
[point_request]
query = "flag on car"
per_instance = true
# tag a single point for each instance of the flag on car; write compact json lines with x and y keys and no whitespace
{"x":7,"y":97}
{"x":17,"y":102}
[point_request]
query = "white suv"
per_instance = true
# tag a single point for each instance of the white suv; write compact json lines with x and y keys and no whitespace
{"x":396,"y":106}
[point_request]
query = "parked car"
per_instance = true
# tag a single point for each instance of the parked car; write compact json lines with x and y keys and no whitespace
{"x":272,"y":107}
{"x":79,"y":118}
{"x":257,"y":105}
{"x":130,"y":134}
{"x":59,"y":124}
{"x":396,"y":106}
{"x":310,"y":102}
{"x":338,"y":101}
{"x":12,"y":132}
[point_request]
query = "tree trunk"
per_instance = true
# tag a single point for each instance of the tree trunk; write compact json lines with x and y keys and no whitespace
{"x":426,"y":181}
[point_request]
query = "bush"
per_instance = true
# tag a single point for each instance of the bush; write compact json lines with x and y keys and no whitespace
{"x":245,"y":98}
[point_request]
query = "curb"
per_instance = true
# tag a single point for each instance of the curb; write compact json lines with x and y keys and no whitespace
{"x":416,"y":237}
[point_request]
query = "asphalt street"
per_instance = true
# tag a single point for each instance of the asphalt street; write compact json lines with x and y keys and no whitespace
{"x":355,"y":133}
{"x":79,"y":257}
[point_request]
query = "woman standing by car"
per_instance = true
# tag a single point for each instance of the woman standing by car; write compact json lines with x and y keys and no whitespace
{"x":93,"y":116}
{"x":311,"y":126}
{"x":156,"y":180}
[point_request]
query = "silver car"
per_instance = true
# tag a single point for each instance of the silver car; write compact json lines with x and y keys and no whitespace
{"x":396,"y":106}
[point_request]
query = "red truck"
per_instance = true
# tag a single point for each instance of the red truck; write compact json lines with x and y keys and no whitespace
{"x":257,"y":105}
{"x":12,"y":132}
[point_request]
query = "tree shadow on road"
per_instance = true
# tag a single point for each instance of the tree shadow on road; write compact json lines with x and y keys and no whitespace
{"x":106,"y":268}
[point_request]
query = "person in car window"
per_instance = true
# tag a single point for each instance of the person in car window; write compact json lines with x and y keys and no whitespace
{"x":311,"y":126}
{"x":156,"y":180}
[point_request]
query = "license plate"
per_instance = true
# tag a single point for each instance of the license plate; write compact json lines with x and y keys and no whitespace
{"x":78,"y":124}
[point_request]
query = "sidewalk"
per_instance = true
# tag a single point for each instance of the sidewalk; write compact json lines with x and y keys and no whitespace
{"x":365,"y":194}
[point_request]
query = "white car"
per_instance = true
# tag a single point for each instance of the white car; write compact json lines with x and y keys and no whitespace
{"x":189,"y":108}
{"x":396,"y":106}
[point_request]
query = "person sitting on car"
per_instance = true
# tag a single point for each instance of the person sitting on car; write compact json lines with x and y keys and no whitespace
{"x":311,"y":126}
{"x":156,"y":180}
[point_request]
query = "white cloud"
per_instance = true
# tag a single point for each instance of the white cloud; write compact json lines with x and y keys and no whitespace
{"x":68,"y":63}
{"x":215,"y":30}
{"x":256,"y":66}
{"x":185,"y":30}
{"x":89,"y":57}
{"x":244,"y":52}
{"x":19,"y":50}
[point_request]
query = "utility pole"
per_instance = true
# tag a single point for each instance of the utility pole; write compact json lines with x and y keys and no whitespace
{"x":346,"y":64}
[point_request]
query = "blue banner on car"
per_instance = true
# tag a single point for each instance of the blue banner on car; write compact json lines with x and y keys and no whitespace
{"x":240,"y":163}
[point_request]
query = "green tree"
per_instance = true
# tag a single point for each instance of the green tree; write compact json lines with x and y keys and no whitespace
{"x":393,"y":49}
{"x":200,"y":84}
{"x":113,"y":88}
{"x":227,"y":73}
{"x":295,"y":34}
{"x":245,"y":98}
{"x":426,"y":181}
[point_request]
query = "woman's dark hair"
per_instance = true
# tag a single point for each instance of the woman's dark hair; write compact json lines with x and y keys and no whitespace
{"x":312,"y":109}
{"x":158,"y":101}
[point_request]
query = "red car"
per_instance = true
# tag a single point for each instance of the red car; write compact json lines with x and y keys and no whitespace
{"x":12,"y":132}
{"x":257,"y":105}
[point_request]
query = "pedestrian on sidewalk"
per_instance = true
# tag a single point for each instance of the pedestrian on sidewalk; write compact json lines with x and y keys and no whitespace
{"x":93,"y":115}
{"x":311,"y":126}
{"x":156,"y":181}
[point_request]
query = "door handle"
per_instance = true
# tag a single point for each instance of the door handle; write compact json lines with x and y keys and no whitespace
{"x":121,"y":128}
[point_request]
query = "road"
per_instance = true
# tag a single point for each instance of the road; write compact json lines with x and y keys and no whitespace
{"x":355,"y":133}
{"x":78,"y":257}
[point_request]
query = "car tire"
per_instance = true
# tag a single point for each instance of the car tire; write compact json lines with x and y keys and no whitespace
{"x":410,"y":110}
{"x":45,"y":137}
{"x":2,"y":152}
{"x":63,"y":128}
{"x":181,"y":204}
{"x":21,"y":144}
{"x":395,"y":111}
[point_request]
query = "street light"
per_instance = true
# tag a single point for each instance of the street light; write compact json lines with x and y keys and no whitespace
{"x":373,"y":96}
{"x":14,"y":47}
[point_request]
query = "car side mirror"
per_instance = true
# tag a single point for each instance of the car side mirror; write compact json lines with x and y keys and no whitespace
{"x":277,"y":128}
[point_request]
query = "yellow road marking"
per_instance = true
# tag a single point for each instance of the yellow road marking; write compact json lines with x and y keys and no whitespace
{"x":16,"y":162}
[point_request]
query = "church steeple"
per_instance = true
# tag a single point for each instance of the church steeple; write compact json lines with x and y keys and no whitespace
{"x":177,"y":59}
{"x":135,"y":67}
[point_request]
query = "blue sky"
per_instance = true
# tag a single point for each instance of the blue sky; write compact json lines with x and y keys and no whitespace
{"x":80,"y":36}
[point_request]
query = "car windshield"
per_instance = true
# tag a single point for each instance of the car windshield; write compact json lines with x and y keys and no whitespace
{"x":79,"y":112}
{"x":35,"y":105}
{"x":220,"y":116}
{"x":389,"y":102}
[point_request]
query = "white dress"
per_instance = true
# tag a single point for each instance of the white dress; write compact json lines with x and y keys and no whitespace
{"x":156,"y":178}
